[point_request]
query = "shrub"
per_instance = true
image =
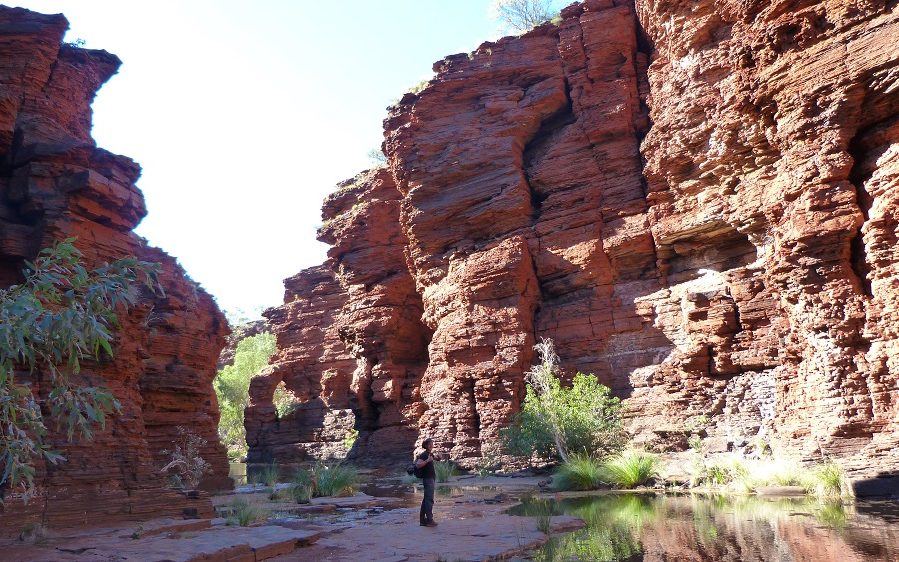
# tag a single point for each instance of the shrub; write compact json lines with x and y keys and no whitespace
{"x":334,"y":480}
{"x":243,"y":513}
{"x":444,"y":470}
{"x":631,"y":468}
{"x":60,"y":314}
{"x":557,"y":421}
{"x":186,"y":463}
{"x":580,"y":472}
{"x":522,"y":15}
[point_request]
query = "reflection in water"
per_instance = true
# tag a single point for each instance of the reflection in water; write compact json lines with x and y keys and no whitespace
{"x":745,"y":528}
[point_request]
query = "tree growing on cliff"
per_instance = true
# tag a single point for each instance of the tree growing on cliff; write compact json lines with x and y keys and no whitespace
{"x":522,"y":15}
{"x":232,"y":386}
{"x":59,"y":316}
{"x":557,"y":421}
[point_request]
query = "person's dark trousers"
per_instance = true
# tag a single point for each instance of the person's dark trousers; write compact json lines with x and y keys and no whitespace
{"x":427,"y":504}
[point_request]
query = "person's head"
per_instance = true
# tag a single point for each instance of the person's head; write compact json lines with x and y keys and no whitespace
{"x":427,"y":444}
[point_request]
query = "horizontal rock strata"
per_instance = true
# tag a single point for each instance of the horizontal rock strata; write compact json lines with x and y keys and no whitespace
{"x":692,"y":199}
{"x":54,"y":184}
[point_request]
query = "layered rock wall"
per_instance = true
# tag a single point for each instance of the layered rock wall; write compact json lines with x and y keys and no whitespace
{"x":55,"y":184}
{"x":692,"y":199}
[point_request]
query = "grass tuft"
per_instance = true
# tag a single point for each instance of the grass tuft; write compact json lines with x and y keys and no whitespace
{"x":544,"y":524}
{"x":631,"y":468}
{"x":830,"y":481}
{"x":269,"y":475}
{"x":243,"y":513}
{"x":334,"y":480}
{"x":581,"y":472}
{"x":444,"y":470}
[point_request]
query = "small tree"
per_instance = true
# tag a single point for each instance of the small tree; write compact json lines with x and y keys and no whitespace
{"x":186,"y":463}
{"x":60,"y":315}
{"x":557,"y":421}
{"x":377,"y":157}
{"x":523,"y":15}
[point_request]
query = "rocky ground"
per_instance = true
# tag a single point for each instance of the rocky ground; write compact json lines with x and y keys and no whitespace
{"x":470,"y":512}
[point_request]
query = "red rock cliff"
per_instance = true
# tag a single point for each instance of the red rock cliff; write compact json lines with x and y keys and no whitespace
{"x":694,"y":200}
{"x":55,"y":183}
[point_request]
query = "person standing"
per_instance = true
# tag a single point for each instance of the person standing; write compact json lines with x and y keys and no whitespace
{"x":425,"y":463}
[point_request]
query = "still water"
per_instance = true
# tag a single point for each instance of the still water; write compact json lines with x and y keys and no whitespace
{"x":740,"y":529}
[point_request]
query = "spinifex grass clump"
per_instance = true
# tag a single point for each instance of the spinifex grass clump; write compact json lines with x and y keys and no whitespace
{"x":301,"y":490}
{"x":444,"y":470}
{"x":830,"y":481}
{"x":270,"y":475}
{"x":631,"y":468}
{"x":581,"y":472}
{"x":334,"y":480}
{"x":243,"y":513}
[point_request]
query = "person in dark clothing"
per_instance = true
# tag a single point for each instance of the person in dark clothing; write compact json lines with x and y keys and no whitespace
{"x":425,"y":461}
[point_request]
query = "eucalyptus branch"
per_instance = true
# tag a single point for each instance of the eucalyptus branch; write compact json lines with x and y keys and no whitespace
{"x":61,"y":315}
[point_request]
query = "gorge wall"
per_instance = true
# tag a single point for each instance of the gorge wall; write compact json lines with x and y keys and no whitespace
{"x":56,"y":183}
{"x":696,"y":201}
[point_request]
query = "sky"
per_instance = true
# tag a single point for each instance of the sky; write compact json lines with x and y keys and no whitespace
{"x":245,"y":114}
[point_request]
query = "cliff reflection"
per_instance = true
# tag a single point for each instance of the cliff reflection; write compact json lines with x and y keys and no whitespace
{"x":746,"y":528}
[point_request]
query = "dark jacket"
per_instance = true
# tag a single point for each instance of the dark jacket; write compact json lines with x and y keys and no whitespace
{"x":428,"y":469}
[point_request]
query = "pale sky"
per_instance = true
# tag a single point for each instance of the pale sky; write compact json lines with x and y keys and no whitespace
{"x":245,"y":114}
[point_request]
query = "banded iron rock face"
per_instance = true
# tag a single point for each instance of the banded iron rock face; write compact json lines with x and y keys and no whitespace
{"x":694,"y":200}
{"x":54,"y":184}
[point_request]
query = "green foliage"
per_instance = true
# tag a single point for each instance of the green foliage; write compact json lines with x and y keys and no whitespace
{"x":243,"y":513}
{"x":544,"y":523}
{"x":746,"y":475}
{"x":722,"y":472}
{"x":580,"y":472}
{"x":556,"y":421}
{"x":350,"y":439}
{"x":830,"y":480}
{"x":232,"y":387}
{"x":444,"y":470}
{"x":301,"y":490}
{"x":300,"y":493}
{"x":334,"y":480}
{"x":61,"y":315}
{"x":631,"y":468}
{"x":284,"y":400}
{"x":269,"y":475}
